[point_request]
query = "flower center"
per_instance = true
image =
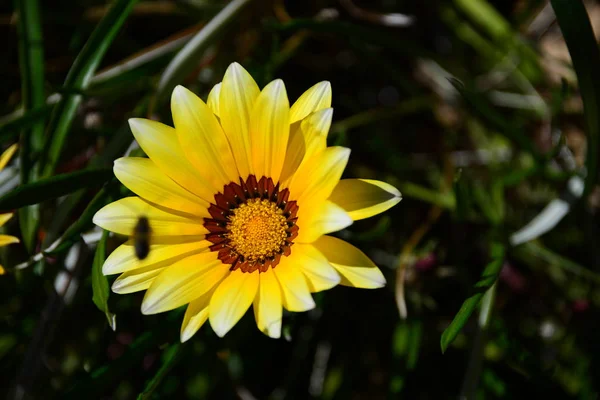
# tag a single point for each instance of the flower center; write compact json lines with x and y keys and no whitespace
{"x":253,"y":224}
{"x":257,"y":229}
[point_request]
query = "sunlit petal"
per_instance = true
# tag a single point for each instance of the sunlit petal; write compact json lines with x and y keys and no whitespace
{"x":153,"y":185}
{"x":213,"y":99}
{"x":238,"y":94}
{"x":231,"y":300}
{"x":184,"y":281}
{"x":320,"y":275}
{"x":355,"y":268}
{"x":294,"y":289}
{"x":202,"y":138}
{"x":314,"y":99}
{"x":123,"y":258}
{"x":269,"y":130}
{"x":161,"y":144}
{"x":122,"y":216}
{"x":267,"y":305}
{"x":323,"y":218}
{"x":364,"y":198}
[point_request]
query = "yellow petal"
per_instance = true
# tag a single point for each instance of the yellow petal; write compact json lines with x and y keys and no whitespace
{"x":315,"y":128}
{"x":307,"y":138}
{"x":320,"y":275}
{"x":196,"y":315}
{"x":355,"y":268}
{"x":318,"y":220}
{"x":294,"y":289}
{"x":7,"y":155}
{"x":144,"y":178}
{"x":269,"y":130}
{"x":231,"y":300}
{"x":213,"y":99}
{"x":124,"y":259}
{"x":161,"y":144}
{"x":202,"y":138}
{"x":122,"y":215}
{"x":4,"y":218}
{"x":317,"y":176}
{"x":236,"y":101}
{"x":2,"y":270}
{"x":7,"y":239}
{"x":138,"y":279}
{"x":314,"y":99}
{"x":184,"y":281}
{"x":363,"y":198}
{"x":267,"y":305}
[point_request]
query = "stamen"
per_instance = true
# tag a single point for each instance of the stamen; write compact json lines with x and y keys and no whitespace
{"x":253,"y":224}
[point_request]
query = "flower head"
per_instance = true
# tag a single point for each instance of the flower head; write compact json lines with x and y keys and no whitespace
{"x":6,"y":239}
{"x":240,"y":195}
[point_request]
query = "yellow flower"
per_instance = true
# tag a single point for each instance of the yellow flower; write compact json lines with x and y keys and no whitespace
{"x":239,"y":196}
{"x":6,"y":239}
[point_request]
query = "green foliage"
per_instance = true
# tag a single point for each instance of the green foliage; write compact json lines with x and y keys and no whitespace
{"x":489,"y":276}
{"x":53,"y":187}
{"x":100,"y":282}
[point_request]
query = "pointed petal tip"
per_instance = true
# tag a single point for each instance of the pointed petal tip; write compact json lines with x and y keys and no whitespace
{"x":116,"y":286}
{"x":146,"y":308}
{"x":273,"y":333}
{"x":178,"y":92}
{"x":235,"y":64}
{"x":324,"y":85}
{"x":219,"y":329}
{"x":185,"y":335}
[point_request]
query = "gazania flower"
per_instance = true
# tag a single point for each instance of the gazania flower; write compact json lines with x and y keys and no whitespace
{"x":239,"y":197}
{"x":6,"y":239}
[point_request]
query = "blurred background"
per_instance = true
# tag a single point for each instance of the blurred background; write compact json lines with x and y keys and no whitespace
{"x":474,"y":109}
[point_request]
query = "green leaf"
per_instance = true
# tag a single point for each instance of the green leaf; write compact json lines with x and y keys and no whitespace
{"x":79,"y":79}
{"x":31,"y":61}
{"x":187,"y":59}
{"x":53,"y":187}
{"x":171,"y":356}
{"x":487,"y":280}
{"x":583,"y":48}
{"x":100,"y":282}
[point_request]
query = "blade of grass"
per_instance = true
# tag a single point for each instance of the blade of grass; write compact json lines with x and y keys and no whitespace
{"x":31,"y":60}
{"x":100,"y":282}
{"x":187,"y":58}
{"x":583,"y":48}
{"x":78,"y":79}
{"x":141,"y":60}
{"x":53,"y":187}
{"x":487,"y":280}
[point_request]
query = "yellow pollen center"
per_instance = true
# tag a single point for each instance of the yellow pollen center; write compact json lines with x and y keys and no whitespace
{"x":257,"y":229}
